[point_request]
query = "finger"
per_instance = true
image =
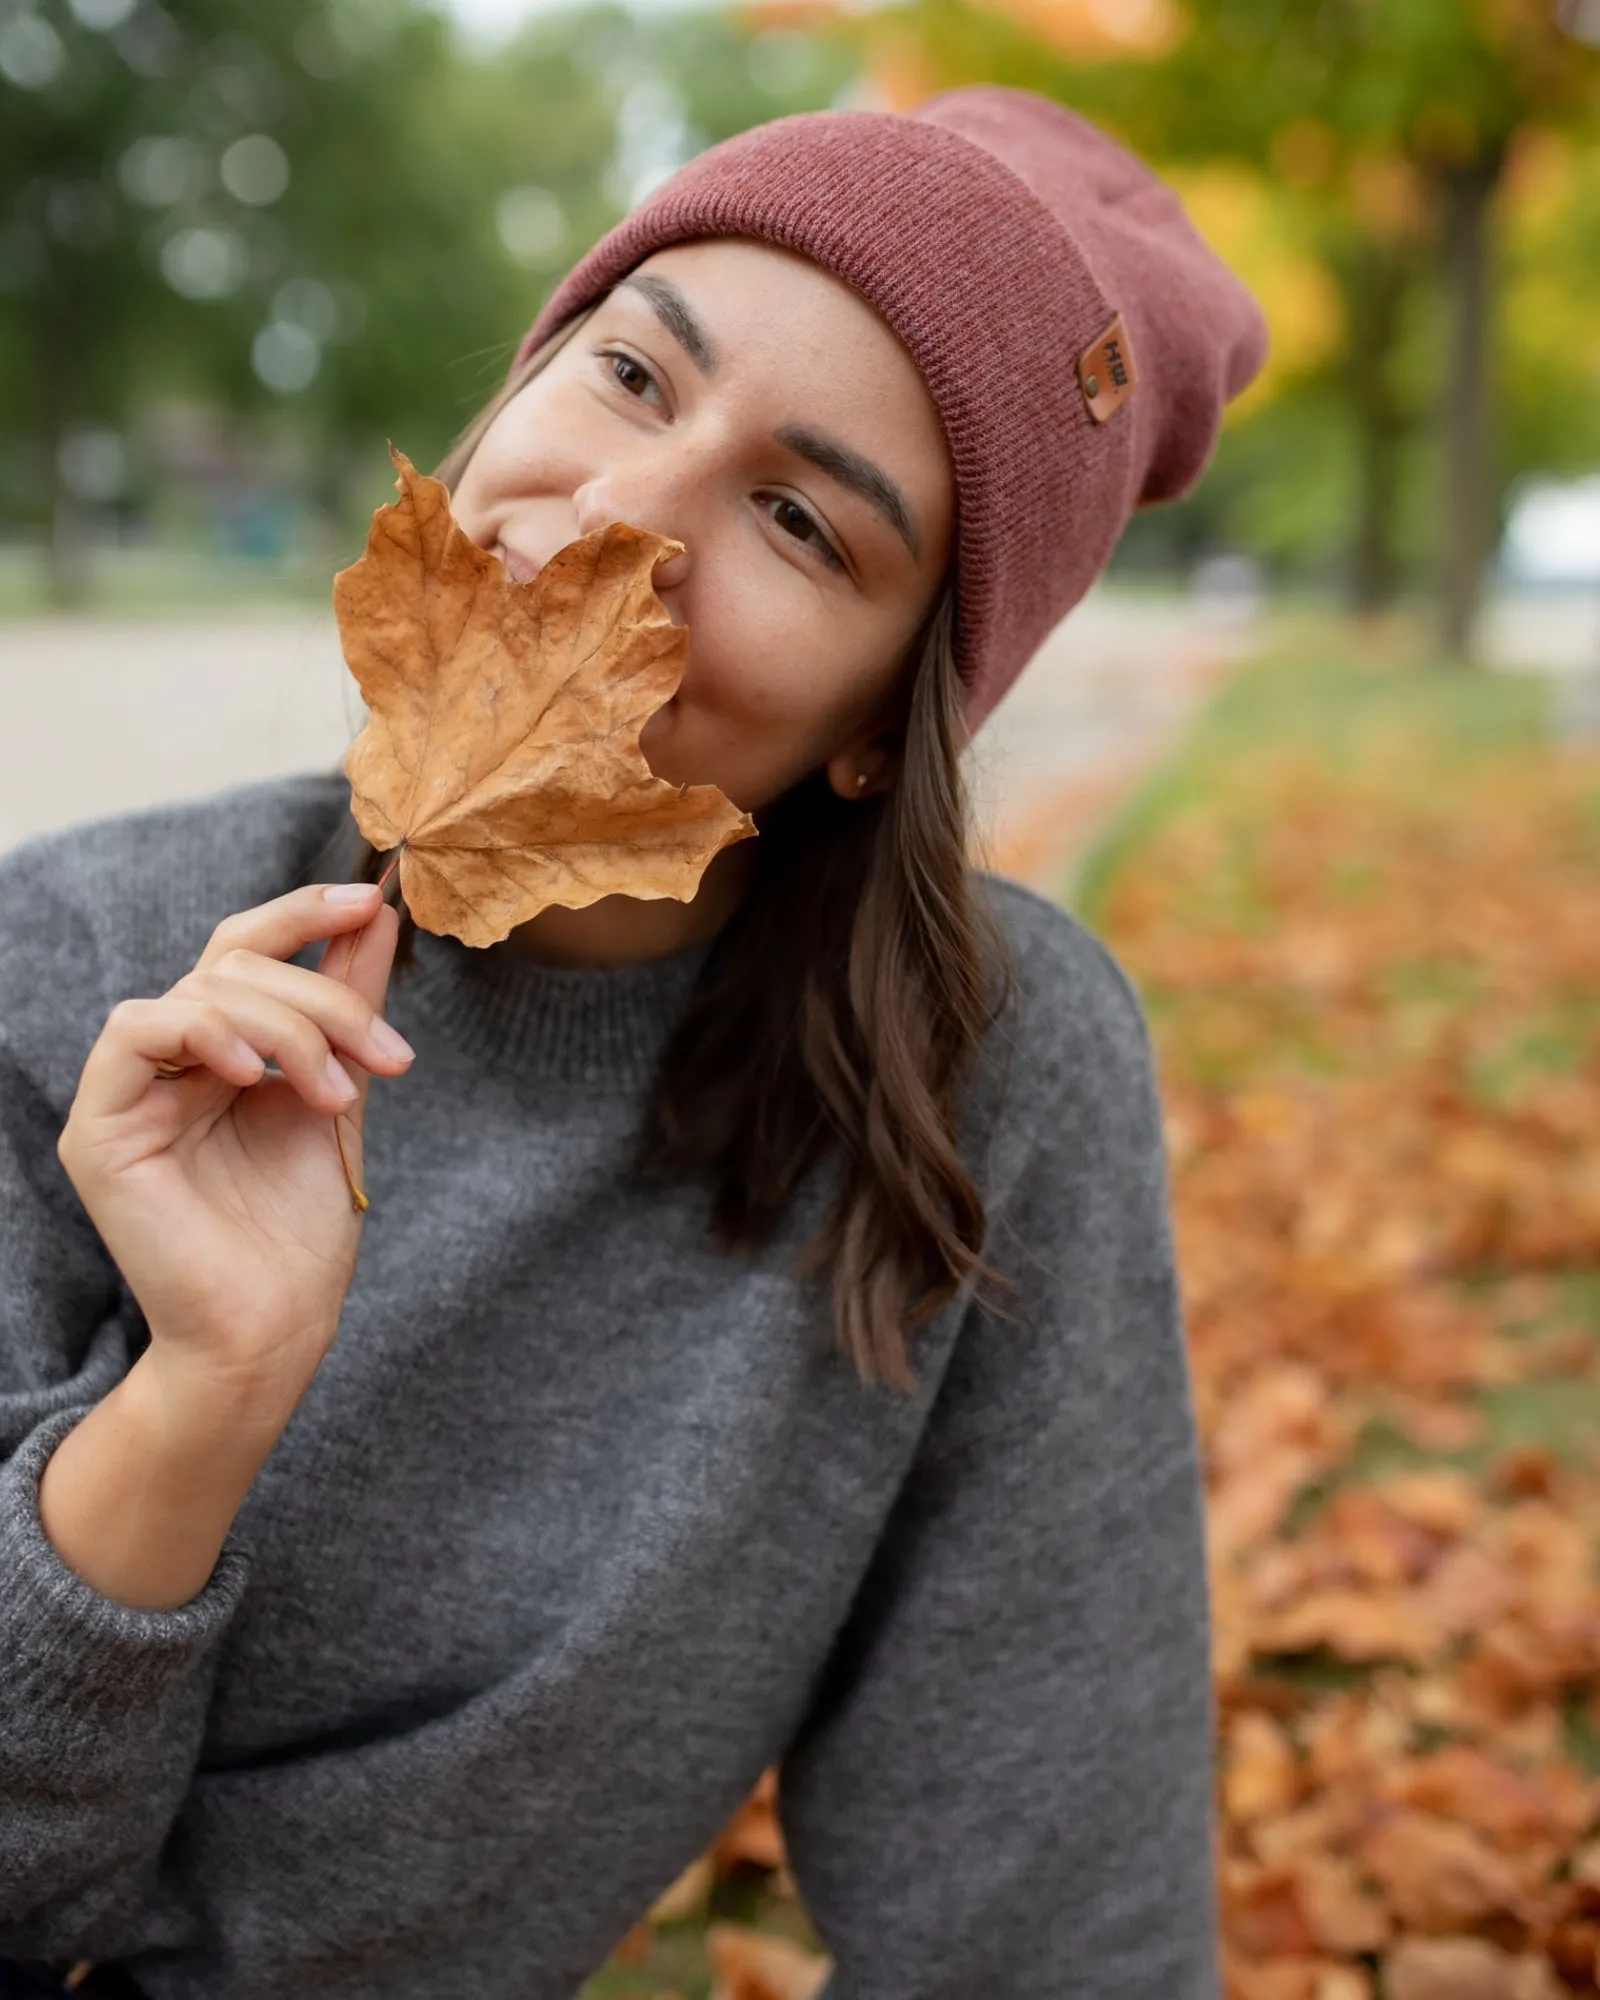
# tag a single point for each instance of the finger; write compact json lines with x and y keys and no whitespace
{"x":345,"y":1016}
{"x":287,"y":1037}
{"x":138,"y":1034}
{"x":287,"y":924}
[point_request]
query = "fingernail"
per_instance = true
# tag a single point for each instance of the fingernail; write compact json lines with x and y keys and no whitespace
{"x":349,"y":892}
{"x":391,"y":1043}
{"x":339,"y":1077}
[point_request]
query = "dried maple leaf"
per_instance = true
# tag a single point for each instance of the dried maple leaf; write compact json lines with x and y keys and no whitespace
{"x":1343,"y":1915}
{"x":1352,"y":1625}
{"x":1437,"y":1877}
{"x":750,"y":1965}
{"x":688,"y":1895}
{"x":1464,"y":1968}
{"x":753,"y":1834}
{"x":1294,"y":1979}
{"x":1262,"y":1777}
{"x":502,"y":756}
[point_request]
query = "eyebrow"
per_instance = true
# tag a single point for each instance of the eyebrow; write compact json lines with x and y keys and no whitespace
{"x":677,"y":316}
{"x":849,"y":468}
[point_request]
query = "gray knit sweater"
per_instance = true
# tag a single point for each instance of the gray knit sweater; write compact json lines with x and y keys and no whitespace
{"x":581,"y":1523}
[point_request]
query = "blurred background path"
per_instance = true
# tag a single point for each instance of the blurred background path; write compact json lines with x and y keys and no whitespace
{"x":1105,"y":697}
{"x":108,"y":714}
{"x":103,"y":715}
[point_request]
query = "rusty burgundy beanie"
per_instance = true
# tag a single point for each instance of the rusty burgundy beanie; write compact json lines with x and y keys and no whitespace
{"x":1079,"y":340}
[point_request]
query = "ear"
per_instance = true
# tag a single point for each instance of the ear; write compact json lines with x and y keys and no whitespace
{"x":864,"y":766}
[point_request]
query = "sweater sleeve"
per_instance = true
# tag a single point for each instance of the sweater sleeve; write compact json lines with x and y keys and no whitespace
{"x":101,"y":1706}
{"x":1004,"y":1784}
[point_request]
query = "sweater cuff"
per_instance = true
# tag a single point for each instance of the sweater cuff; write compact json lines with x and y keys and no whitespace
{"x":66,"y":1642}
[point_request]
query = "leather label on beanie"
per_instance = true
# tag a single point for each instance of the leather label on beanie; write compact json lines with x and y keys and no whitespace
{"x":1107,"y":372}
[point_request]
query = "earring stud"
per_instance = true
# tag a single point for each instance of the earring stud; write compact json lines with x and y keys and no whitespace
{"x":861,"y":779}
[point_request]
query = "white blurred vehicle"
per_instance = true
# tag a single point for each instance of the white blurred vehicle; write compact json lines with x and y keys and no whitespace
{"x":1552,"y":533}
{"x":1227,"y":590}
{"x":1548,"y":616}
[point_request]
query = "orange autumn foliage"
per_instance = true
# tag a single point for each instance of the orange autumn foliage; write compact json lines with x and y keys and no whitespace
{"x":1373,"y":990}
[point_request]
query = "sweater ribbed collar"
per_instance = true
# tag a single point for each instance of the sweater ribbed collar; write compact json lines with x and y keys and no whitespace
{"x":605,"y":1027}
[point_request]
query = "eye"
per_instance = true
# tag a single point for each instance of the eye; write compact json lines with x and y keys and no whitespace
{"x":627,"y":373}
{"x":795,"y":521}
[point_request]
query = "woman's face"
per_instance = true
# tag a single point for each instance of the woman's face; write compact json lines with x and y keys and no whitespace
{"x":747,"y":403}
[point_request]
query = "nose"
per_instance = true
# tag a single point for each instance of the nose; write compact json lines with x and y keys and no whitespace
{"x":603,"y":499}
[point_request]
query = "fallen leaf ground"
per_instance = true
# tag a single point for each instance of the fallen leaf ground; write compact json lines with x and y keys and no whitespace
{"x":1363,"y":908}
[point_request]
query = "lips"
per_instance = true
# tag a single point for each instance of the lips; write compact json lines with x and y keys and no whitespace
{"x":521,"y":568}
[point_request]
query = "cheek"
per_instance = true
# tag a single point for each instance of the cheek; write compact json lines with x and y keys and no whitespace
{"x":765,"y":650}
{"x":777,"y":682}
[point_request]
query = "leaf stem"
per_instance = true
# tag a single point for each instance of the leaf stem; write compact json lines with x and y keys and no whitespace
{"x":358,"y":1200}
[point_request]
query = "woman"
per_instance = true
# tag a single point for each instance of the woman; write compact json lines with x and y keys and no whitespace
{"x":764,"y":1348}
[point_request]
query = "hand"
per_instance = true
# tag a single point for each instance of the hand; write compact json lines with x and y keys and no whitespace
{"x":220,"y":1193}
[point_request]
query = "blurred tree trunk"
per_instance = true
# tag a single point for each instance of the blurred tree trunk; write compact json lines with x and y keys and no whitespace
{"x":1466,"y":417}
{"x":1375,"y":281}
{"x":66,"y":553}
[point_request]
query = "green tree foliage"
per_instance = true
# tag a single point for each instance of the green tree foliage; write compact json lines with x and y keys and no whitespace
{"x":324,"y":217}
{"x":1389,"y":127}
{"x":191,"y":197}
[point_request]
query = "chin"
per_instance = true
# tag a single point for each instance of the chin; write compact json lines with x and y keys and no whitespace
{"x":659,"y":741}
{"x":667,"y":741}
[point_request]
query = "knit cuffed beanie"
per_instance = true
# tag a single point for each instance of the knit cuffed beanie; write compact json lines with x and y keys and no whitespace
{"x":1079,"y":339}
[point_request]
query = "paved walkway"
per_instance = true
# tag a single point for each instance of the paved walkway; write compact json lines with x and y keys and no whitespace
{"x":106,"y":715}
{"x":1104,"y":698}
{"x":103,"y":715}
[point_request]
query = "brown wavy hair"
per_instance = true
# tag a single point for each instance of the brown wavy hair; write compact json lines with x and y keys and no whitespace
{"x":839,"y":1011}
